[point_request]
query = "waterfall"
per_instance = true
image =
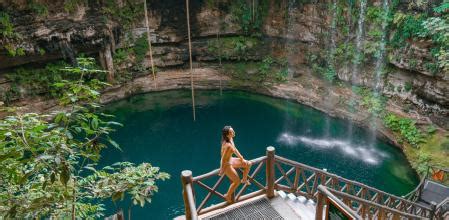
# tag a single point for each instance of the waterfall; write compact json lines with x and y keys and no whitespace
{"x":360,"y":39}
{"x":288,"y":38}
{"x":380,"y":65}
{"x":331,"y":62}
{"x":333,"y":45}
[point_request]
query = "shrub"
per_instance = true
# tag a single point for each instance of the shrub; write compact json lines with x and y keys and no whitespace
{"x":405,"y":127}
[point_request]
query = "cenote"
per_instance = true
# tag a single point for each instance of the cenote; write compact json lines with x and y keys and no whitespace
{"x":158,"y":128}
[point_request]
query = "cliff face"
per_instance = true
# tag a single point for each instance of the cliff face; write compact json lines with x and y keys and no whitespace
{"x":222,"y":32}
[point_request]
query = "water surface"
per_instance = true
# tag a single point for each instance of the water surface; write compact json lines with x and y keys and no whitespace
{"x":158,"y":128}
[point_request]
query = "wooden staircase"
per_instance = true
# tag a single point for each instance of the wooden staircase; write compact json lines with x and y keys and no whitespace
{"x":299,"y":191}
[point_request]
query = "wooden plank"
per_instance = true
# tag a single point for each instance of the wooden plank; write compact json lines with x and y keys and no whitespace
{"x":210,"y":189}
{"x":214,"y":188}
{"x":250,"y":177}
{"x":224,"y":204}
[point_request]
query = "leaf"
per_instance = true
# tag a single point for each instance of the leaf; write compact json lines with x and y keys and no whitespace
{"x":114,"y":123}
{"x":59,"y":84}
{"x":59,"y":117}
{"x":114,"y":144}
{"x":94,"y":123}
{"x":52,"y":177}
{"x":68,"y":134}
{"x":65,"y":175}
{"x":90,"y":168}
{"x":117,"y":195}
{"x":45,"y":157}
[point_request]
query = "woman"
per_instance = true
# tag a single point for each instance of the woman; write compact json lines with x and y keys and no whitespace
{"x":229,"y":163}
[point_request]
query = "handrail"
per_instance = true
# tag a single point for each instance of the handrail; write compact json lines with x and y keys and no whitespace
{"x":442,"y":209}
{"x":323,"y":194}
{"x":258,"y":163}
{"x":349,"y":186}
{"x":444,"y":202}
{"x":414,"y":194}
{"x":294,"y":163}
{"x":365,"y":202}
{"x":307,"y":181}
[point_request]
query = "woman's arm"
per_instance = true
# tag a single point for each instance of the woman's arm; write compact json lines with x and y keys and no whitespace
{"x":237,"y":153}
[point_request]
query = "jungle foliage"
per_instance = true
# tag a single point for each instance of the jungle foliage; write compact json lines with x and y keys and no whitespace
{"x":49,"y":163}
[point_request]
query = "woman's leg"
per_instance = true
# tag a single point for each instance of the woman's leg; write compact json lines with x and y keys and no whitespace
{"x":235,"y":181}
{"x":238,"y":163}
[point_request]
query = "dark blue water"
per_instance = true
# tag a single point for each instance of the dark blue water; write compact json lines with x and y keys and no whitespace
{"x":159,"y":129}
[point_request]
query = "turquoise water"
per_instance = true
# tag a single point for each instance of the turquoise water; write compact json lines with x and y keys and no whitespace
{"x":159,"y":129}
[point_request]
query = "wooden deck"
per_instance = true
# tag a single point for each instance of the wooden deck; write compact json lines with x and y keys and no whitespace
{"x":282,"y":206}
{"x":285,"y":189}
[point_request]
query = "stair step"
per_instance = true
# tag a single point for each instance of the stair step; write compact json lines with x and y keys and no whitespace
{"x":291,"y":196}
{"x":282,"y":194}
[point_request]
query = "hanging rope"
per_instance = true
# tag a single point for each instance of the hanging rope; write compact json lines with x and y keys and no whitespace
{"x":149,"y":39}
{"x":218,"y":43}
{"x":190,"y":59}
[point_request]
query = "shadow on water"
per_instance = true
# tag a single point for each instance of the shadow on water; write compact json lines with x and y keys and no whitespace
{"x":158,"y":128}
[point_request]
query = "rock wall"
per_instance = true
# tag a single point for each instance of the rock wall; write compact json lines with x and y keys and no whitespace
{"x":290,"y":29}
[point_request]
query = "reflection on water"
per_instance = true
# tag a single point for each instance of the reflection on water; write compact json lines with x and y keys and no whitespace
{"x":368,"y":155}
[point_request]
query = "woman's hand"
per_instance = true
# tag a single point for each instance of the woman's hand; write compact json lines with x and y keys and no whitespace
{"x":221,"y":172}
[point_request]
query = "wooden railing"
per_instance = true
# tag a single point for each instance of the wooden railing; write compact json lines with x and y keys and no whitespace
{"x":306,"y":179}
{"x":415,"y":194}
{"x":326,"y":199}
{"x":370,"y":210}
{"x":442,"y":210}
{"x":278,"y":171}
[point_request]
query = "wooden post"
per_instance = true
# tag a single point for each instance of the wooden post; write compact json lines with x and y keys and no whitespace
{"x":320,"y":205}
{"x":270,"y":172}
{"x":186,"y":178}
{"x":433,"y":206}
{"x":381,"y":215}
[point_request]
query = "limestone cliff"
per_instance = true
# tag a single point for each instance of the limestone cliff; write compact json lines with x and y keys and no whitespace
{"x":222,"y":32}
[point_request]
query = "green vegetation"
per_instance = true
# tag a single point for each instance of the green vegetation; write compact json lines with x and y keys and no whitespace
{"x":229,"y":47}
{"x":125,"y":56}
{"x":125,"y":14}
{"x":268,"y":71}
{"x":433,"y":151}
{"x":322,"y":67}
{"x":48,"y":167}
{"x":35,"y":81}
{"x":38,"y":8}
{"x":424,"y":27}
{"x":71,"y":6}
{"x":408,"y":86}
{"x":406,"y":128}
{"x":250,"y":20}
{"x":140,"y":48}
{"x":374,"y":103}
{"x":8,"y":36}
{"x":6,"y":28}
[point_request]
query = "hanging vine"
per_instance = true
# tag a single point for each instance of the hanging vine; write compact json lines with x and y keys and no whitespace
{"x":149,"y":39}
{"x":190,"y":59}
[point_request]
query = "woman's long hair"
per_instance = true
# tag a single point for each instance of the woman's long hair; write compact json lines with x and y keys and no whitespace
{"x":224,"y":134}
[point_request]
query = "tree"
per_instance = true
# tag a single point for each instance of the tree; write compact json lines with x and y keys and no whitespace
{"x":48,"y":162}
